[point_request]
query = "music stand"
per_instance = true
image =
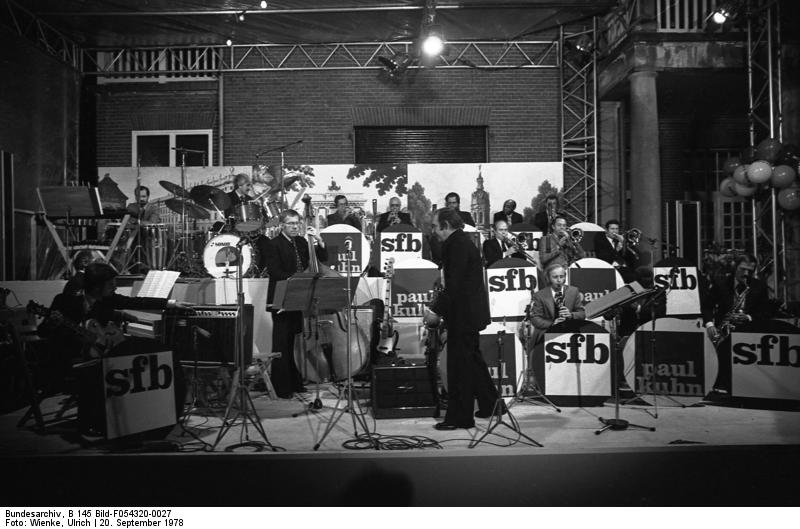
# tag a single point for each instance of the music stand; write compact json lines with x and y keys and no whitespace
{"x":611,"y":313}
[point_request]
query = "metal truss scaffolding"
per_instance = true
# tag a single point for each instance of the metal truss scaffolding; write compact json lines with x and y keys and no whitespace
{"x":28,"y":25}
{"x":579,"y":122}
{"x":174,"y":61}
{"x":764,"y":112}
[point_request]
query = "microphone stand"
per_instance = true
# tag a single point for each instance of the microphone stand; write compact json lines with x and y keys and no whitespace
{"x":240,"y":395}
{"x":352,"y":407}
{"x":282,"y":149}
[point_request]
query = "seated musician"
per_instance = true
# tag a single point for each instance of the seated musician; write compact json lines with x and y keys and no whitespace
{"x":343,"y":214}
{"x":734,"y":300}
{"x":508,"y":214}
{"x":92,"y":296}
{"x":141,"y":210}
{"x":611,"y":247}
{"x":453,"y":201}
{"x":282,"y":257}
{"x":500,"y":246}
{"x":559,"y":246}
{"x":242,"y":192}
{"x":393,"y":216}
{"x":544,"y":218}
{"x":552,"y":305}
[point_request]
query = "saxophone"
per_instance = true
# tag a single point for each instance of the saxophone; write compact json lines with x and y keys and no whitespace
{"x":729,"y":321}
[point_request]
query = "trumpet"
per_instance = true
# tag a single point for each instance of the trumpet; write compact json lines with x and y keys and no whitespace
{"x":519,"y":248}
{"x":570,"y":237}
{"x":394,"y":218}
{"x":633,"y":236}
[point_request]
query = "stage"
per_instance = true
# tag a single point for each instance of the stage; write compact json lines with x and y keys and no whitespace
{"x":704,"y":454}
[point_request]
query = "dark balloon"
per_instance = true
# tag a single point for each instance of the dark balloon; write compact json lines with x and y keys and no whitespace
{"x":769,"y":149}
{"x":748,"y":155}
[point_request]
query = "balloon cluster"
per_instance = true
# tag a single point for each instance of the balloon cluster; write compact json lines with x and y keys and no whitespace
{"x":769,"y":164}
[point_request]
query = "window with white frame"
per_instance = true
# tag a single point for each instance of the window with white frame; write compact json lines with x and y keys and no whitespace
{"x":172,"y":148}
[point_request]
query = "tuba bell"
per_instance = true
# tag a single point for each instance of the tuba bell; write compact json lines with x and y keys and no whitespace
{"x":576,"y":235}
{"x":633,"y":236}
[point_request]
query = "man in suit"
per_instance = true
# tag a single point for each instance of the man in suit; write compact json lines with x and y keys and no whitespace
{"x":558,"y":246}
{"x":242,"y":192}
{"x":508,"y":214}
{"x":343,"y":215}
{"x":609,"y":245}
{"x":554,"y":304}
{"x":393,"y":216}
{"x":499,"y":247}
{"x":465,"y":308}
{"x":544,"y":219}
{"x":283,"y":257}
{"x":453,"y":201}
{"x":734,"y":300}
{"x":142,"y":210}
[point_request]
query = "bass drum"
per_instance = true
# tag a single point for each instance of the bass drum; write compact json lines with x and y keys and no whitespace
{"x":221,"y":256}
{"x":327,"y":360}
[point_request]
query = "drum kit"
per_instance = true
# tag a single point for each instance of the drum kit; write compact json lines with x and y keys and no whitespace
{"x":217,"y":250}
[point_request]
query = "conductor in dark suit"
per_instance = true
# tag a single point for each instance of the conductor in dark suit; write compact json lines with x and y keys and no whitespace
{"x":737,"y":299}
{"x":453,"y":201}
{"x":284,"y":256}
{"x":393,"y":216}
{"x":499,"y":247}
{"x":508,"y":214}
{"x":555,"y":303}
{"x":464,"y":306}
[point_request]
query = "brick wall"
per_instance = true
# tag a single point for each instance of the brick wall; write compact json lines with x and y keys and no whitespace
{"x":268,"y":109}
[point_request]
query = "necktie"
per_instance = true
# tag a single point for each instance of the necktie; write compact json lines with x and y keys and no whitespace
{"x":503,"y":246}
{"x":297,"y":261}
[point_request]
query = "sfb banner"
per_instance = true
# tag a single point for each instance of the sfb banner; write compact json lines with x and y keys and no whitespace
{"x":510,"y":283}
{"x":765,"y":363}
{"x":680,"y":278}
{"x":139,"y":393}
{"x":400,"y":242}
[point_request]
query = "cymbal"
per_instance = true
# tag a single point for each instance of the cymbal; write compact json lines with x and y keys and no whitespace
{"x":175,"y":189}
{"x":192,"y":210}
{"x":210,"y":197}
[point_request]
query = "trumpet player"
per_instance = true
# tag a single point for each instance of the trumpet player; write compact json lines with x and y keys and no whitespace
{"x":343,"y":214}
{"x":618,"y":250}
{"x":560,"y":246}
{"x":393,"y":217}
{"x":544,"y":218}
{"x":502,"y":245}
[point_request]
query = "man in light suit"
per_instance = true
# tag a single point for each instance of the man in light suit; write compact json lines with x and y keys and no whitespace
{"x":554,"y":304}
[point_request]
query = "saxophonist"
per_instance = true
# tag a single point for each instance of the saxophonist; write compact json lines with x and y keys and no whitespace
{"x":734,"y":300}
{"x":560,"y":246}
{"x":392,"y":217}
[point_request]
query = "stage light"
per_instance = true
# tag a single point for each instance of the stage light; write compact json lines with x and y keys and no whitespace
{"x":263,"y":4}
{"x":229,"y":42}
{"x":433,"y":44}
{"x":720,"y":16}
{"x":395,"y":65}
{"x":241,"y":16}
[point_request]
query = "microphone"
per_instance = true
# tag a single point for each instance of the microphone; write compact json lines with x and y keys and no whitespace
{"x":348,"y":244}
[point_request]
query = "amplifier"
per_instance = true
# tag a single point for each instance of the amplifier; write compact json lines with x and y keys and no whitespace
{"x":212,"y":328}
{"x":402,"y":391}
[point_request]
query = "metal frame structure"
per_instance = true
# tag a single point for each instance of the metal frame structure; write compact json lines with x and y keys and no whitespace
{"x":765,"y":121}
{"x":579,"y":122}
{"x":180,"y":61}
{"x":49,"y":39}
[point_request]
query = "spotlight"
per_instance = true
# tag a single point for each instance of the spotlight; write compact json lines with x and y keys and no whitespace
{"x":229,"y":42}
{"x":720,"y":16}
{"x":584,"y":44}
{"x":433,"y":44}
{"x":263,"y":4}
{"x":241,"y":16}
{"x":396,"y":65}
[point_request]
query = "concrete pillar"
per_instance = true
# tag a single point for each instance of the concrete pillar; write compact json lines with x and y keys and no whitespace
{"x":610,"y":189}
{"x":645,"y":178}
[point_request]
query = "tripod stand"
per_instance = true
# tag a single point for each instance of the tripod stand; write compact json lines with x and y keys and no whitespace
{"x":316,"y":404}
{"x":240,"y":395}
{"x":182,"y":245}
{"x":496,"y":419}
{"x":136,"y":255}
{"x":352,"y":407}
{"x":528,"y":389}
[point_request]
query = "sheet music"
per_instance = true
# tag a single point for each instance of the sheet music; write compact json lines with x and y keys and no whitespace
{"x":158,"y":284}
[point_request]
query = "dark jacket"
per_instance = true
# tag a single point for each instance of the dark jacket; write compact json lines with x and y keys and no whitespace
{"x":544,"y":313}
{"x":466,"y":216}
{"x":605,"y":251}
{"x":541,"y":221}
{"x":719,"y":300}
{"x":383,"y":220}
{"x":515,"y":218}
{"x":278,"y":257}
{"x":463,"y":303}
{"x":235,"y":201}
{"x":350,"y":220}
{"x":492,"y":252}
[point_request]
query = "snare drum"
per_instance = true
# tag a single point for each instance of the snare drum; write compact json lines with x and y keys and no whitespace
{"x":221,"y":256}
{"x":155,"y":245}
{"x":248,"y":216}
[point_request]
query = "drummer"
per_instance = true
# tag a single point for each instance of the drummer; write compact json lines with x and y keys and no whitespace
{"x":142,"y":210}
{"x":242,"y":192}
